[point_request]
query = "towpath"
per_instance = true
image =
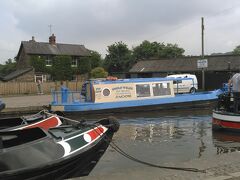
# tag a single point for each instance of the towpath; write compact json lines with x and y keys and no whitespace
{"x":25,"y":104}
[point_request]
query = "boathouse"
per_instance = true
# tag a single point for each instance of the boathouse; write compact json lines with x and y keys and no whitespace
{"x":219,"y":68}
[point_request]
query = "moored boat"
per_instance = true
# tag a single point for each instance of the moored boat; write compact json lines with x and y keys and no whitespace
{"x":225,"y":120}
{"x":124,"y":95}
{"x":42,"y":120}
{"x":226,"y":115}
{"x":61,"y":152}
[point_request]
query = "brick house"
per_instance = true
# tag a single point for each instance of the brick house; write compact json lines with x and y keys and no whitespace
{"x":46,"y":50}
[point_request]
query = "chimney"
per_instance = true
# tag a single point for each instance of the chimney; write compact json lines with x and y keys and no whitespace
{"x":52,"y":39}
{"x":33,"y":39}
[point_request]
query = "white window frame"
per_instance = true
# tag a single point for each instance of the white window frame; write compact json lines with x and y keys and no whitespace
{"x":74,"y":62}
{"x":48,"y":61}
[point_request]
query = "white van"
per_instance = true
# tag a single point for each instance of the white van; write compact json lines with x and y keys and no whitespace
{"x":184,"y":83}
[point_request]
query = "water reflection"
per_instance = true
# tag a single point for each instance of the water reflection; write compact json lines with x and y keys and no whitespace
{"x":167,"y":138}
{"x":226,"y":141}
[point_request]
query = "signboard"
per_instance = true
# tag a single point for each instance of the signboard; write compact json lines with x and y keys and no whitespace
{"x":202,"y":63}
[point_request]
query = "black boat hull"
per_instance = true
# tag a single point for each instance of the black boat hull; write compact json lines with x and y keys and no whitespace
{"x":74,"y":166}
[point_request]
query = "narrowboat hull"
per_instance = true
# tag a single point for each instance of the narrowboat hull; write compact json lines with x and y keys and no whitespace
{"x":75,"y":166}
{"x":18,"y":123}
{"x":180,"y":101}
{"x":222,"y":120}
{"x":55,"y":156}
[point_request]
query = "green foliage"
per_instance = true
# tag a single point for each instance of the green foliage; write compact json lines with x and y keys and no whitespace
{"x":148,"y":50}
{"x":61,"y":68}
{"x":236,"y":51}
{"x":172,"y":51}
{"x":98,"y":72}
{"x":10,"y":66}
{"x":38,"y":63}
{"x":118,"y":58}
{"x":96,"y":60}
{"x":84,"y":65}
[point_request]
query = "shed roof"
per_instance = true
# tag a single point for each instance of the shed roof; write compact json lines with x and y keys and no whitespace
{"x":215,"y":63}
{"x":16,"y":74}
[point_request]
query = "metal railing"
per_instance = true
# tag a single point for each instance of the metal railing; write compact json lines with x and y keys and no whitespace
{"x":67,"y":97}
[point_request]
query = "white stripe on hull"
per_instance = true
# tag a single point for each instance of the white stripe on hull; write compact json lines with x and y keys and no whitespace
{"x":226,"y":117}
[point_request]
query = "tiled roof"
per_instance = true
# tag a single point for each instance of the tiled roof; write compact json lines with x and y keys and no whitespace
{"x":215,"y":63}
{"x":43,"y":48}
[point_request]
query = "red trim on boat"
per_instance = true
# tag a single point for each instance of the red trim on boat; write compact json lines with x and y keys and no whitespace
{"x":95,"y":132}
{"x":226,"y":124}
{"x":50,"y":122}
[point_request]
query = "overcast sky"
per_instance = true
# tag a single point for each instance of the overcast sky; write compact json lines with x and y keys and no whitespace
{"x":99,"y":23}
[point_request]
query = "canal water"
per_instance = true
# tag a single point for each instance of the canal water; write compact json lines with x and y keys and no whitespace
{"x":165,"y":139}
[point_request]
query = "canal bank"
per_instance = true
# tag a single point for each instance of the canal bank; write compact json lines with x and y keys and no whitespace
{"x":19,"y":105}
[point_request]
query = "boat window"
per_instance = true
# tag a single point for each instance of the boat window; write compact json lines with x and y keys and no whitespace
{"x":106,"y":92}
{"x":161,"y":89}
{"x":177,"y":81}
{"x":143,"y":90}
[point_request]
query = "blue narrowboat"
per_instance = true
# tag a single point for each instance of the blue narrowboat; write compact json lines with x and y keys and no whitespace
{"x":124,"y":95}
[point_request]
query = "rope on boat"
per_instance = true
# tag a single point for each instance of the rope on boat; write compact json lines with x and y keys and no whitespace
{"x":68,"y":119}
{"x":123,"y":153}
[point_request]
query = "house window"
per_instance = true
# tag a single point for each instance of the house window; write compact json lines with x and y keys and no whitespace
{"x":74,"y":62}
{"x":143,"y":90}
{"x":49,"y":61}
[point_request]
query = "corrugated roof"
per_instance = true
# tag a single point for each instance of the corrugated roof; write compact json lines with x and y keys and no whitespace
{"x":215,"y":63}
{"x":39,"y":48}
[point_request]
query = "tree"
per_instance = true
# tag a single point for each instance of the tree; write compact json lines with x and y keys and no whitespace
{"x":118,"y":58}
{"x":84,"y":65}
{"x":95,"y":59}
{"x":98,"y":72}
{"x":8,"y":67}
{"x":172,"y":51}
{"x":38,"y":63}
{"x":236,"y":51}
{"x":61,"y":68}
{"x":147,"y":50}
{"x":155,"y":49}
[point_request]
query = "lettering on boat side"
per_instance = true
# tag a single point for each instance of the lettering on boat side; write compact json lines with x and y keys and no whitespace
{"x":124,"y":96}
{"x":122,"y":87}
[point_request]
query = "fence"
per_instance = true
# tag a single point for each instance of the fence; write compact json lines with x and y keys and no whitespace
{"x":17,"y":88}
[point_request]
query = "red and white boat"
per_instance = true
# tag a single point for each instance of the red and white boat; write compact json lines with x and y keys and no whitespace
{"x":41,"y":119}
{"x":227,"y":113}
{"x":225,"y":120}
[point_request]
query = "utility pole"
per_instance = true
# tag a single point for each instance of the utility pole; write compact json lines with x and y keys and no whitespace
{"x":203,"y":73}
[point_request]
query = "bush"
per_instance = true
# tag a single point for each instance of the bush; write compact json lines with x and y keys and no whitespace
{"x":98,"y":72}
